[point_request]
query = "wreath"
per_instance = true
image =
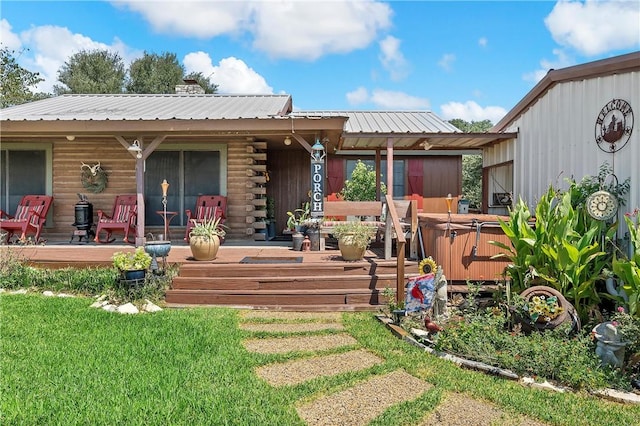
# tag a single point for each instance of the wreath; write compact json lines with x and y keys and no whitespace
{"x":94,"y":180}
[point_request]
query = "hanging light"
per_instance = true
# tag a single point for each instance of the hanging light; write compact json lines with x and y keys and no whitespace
{"x":287,"y":141}
{"x":135,"y":147}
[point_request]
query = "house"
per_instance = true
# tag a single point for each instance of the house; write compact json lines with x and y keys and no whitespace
{"x":571,"y":123}
{"x":245,"y":147}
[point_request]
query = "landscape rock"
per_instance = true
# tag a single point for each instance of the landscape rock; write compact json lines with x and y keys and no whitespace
{"x":48,"y":293}
{"x":150,"y":307}
{"x":127,"y":308}
{"x":110,"y":308}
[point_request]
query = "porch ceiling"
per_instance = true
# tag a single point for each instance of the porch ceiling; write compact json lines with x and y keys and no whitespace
{"x":424,"y":141}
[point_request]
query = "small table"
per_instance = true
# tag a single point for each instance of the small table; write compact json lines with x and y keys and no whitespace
{"x":169,"y":216}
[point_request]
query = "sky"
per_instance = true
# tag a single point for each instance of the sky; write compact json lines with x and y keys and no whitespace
{"x":472,"y":60}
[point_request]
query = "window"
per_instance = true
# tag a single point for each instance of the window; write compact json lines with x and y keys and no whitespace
{"x":189,"y":173}
{"x":22,"y":172}
{"x":398,"y":173}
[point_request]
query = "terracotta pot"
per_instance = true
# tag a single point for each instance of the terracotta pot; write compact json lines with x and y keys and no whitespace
{"x":348,"y":250}
{"x":204,"y":249}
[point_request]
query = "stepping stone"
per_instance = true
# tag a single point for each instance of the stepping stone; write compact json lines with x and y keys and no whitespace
{"x":460,"y":410}
{"x":292,"y":327}
{"x":286,"y":315}
{"x":363,"y":402}
{"x":295,"y":372}
{"x":294,"y":344}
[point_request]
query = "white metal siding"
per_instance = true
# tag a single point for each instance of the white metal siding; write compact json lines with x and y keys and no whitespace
{"x":556,"y":138}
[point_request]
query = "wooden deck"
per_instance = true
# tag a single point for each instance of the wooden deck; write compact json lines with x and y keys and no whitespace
{"x":316,"y":281}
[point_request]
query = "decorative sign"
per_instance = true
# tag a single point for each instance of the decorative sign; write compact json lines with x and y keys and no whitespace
{"x":614,"y":125}
{"x":317,"y":188}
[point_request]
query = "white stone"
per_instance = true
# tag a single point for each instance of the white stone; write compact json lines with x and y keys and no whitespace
{"x":619,"y":396}
{"x":96,"y":305}
{"x":101,"y":298}
{"x":20,"y":291}
{"x":2,"y":290}
{"x":419,"y":333}
{"x":110,"y":308}
{"x":150,"y":306}
{"x":128,"y":308}
{"x":65,"y":295}
{"x":48,"y":293}
{"x":544,"y":385}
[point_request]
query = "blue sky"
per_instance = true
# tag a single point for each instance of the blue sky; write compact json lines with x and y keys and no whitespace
{"x":472,"y":60}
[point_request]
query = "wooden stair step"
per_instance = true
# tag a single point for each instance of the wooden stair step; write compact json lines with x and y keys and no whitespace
{"x":272,"y":297}
{"x":290,"y":282}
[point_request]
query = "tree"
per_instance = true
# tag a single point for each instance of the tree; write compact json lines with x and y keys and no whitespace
{"x":16,"y":81}
{"x":155,"y":73}
{"x":472,"y":164}
{"x":203,"y":81}
{"x":95,"y":71}
{"x":362,"y":185}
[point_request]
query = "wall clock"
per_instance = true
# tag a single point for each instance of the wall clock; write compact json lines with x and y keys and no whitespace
{"x":602,"y":205}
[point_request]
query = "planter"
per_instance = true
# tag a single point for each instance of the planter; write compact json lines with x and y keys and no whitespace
{"x":203,"y":248}
{"x":296,"y":241}
{"x":348,"y":249}
{"x":134,"y":275}
{"x":567,"y":314}
{"x":314,"y":236}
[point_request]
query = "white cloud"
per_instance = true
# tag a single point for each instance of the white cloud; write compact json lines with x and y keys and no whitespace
{"x":283,"y":29}
{"x":398,"y":100}
{"x":392,"y":58}
{"x":231,"y":75}
{"x":387,"y":99}
{"x":200,"y":19}
{"x":446,"y":62}
{"x":358,"y":96}
{"x":482,"y":42}
{"x":561,"y":61}
{"x":471,"y":111}
{"x":595,"y":27}
{"x":8,"y":39}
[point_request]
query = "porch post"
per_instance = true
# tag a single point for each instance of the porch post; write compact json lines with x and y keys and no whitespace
{"x":378,"y":178}
{"x":140,"y":240}
{"x":390,"y":167}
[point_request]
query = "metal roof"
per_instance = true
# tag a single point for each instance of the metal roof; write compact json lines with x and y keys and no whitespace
{"x":129,"y":107}
{"x":387,"y":122}
{"x":409,"y":130}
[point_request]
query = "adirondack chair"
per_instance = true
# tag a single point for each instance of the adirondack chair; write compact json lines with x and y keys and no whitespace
{"x":31,"y":215}
{"x":123,"y":219}
{"x":208,"y":207}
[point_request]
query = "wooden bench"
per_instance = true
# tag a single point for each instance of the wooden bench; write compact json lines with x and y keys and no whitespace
{"x":374,"y":212}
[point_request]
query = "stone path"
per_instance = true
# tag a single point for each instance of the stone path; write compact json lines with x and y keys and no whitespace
{"x":360,"y":403}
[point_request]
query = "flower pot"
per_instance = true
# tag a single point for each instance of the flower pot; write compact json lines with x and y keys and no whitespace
{"x":349,"y":250}
{"x":134,"y":275}
{"x":204,"y":248}
{"x":565,"y":316}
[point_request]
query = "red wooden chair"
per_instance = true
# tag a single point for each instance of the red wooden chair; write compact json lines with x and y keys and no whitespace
{"x":208,"y":207}
{"x":123,"y":219}
{"x":31,"y":215}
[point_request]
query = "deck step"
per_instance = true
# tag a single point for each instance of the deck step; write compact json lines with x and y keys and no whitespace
{"x":300,"y":297}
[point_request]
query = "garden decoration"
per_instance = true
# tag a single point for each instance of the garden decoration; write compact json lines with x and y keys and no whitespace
{"x":94,"y":178}
{"x":544,"y":308}
{"x":420,"y":293}
{"x":610,"y":347}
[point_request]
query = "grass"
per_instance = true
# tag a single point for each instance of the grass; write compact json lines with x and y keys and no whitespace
{"x":64,"y":363}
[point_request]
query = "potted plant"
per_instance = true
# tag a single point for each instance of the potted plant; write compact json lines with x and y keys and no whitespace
{"x":132,"y":265}
{"x":353,"y":239}
{"x":297,"y":217}
{"x":204,"y":238}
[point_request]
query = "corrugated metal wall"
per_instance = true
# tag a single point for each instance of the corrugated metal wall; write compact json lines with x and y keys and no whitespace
{"x":556,"y":138}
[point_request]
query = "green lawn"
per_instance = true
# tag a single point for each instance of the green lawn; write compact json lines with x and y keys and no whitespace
{"x":64,"y":363}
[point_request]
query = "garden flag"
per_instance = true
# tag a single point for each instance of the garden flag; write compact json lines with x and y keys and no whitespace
{"x":420,"y":292}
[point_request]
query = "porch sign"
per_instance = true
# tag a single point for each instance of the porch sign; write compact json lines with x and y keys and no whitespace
{"x":317,"y":180}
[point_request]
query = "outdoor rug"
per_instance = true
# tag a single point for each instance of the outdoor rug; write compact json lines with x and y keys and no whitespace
{"x":258,"y":259}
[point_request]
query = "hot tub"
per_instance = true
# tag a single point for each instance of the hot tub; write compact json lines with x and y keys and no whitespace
{"x":460,"y":244}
